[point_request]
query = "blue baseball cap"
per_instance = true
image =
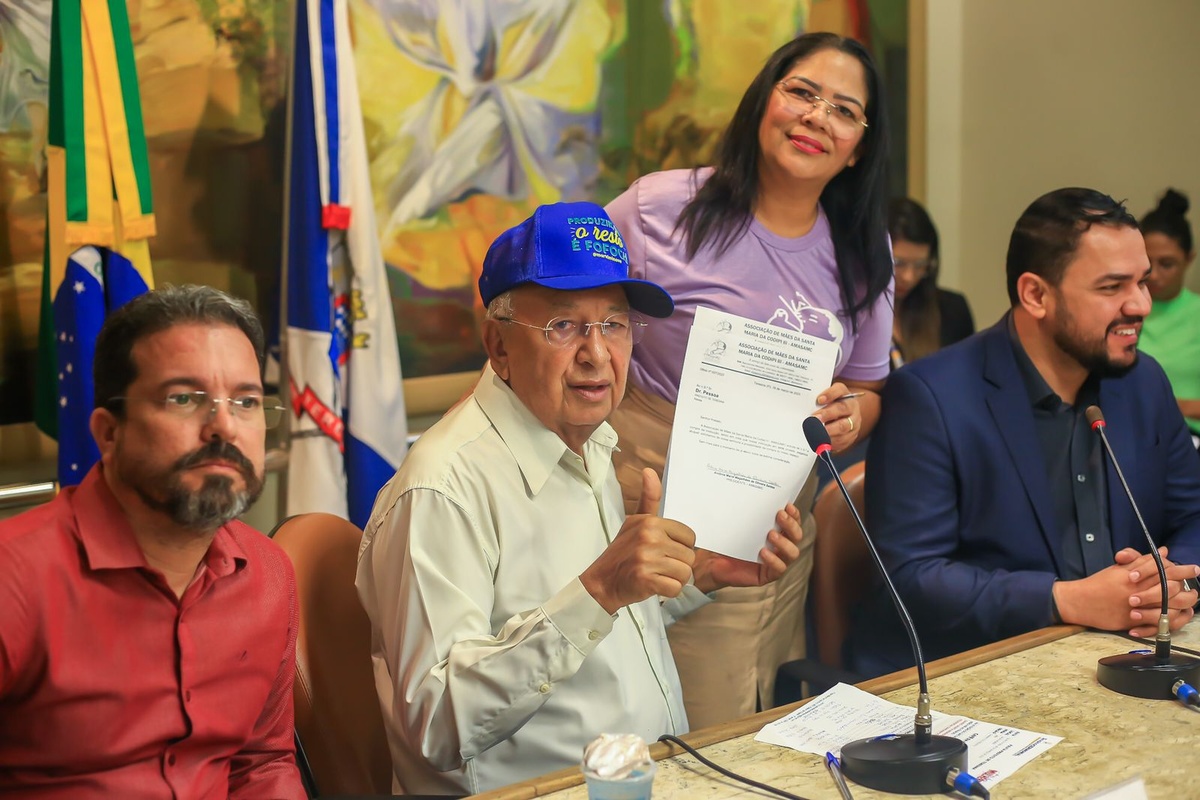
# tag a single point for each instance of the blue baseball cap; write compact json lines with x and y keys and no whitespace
{"x":569,"y":246}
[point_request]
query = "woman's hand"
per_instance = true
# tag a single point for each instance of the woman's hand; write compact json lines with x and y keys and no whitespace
{"x":840,"y":412}
{"x":849,"y":410}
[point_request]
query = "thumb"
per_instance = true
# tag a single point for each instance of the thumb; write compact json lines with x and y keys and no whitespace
{"x":651,"y":492}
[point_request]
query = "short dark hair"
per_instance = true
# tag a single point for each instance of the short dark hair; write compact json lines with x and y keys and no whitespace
{"x":855,"y":200}
{"x":1168,"y":219}
{"x":155,"y":311}
{"x":1047,"y":234}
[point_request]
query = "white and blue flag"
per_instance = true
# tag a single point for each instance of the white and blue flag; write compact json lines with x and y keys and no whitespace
{"x":348,"y":429}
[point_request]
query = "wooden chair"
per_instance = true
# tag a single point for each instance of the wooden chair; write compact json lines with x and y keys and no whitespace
{"x":842,"y":569}
{"x":339,"y":727}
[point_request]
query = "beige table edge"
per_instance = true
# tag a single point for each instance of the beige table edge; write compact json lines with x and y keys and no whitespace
{"x":566,"y":778}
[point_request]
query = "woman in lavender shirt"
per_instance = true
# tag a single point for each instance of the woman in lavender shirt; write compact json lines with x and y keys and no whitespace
{"x":789,"y":227}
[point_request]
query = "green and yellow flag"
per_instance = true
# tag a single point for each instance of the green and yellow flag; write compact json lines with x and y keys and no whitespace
{"x":99,"y":214}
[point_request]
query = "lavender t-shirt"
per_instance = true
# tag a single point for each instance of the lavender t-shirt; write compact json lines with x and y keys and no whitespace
{"x":787,"y":282}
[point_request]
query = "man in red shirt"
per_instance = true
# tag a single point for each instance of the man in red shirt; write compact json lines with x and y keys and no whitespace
{"x":147,"y":638}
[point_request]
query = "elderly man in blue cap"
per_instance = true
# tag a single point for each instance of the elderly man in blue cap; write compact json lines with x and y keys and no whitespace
{"x":516,"y":611}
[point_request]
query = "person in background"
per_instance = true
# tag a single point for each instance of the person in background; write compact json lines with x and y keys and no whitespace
{"x":148,"y":638}
{"x":788,"y":227}
{"x":1172,"y":331}
{"x":516,"y":611}
{"x":928,"y":317}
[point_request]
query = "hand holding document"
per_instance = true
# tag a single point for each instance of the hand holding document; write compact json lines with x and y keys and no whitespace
{"x":845,"y":713}
{"x":737,"y":452}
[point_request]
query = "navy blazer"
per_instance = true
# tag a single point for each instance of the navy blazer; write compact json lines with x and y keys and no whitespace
{"x":958,"y":501}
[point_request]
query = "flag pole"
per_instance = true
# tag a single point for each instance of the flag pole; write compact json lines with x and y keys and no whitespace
{"x":285,"y":384}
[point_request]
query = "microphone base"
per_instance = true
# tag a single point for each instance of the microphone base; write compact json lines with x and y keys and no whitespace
{"x":1143,"y":675}
{"x":899,"y":764}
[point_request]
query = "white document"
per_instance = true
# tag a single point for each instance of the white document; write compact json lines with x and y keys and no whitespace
{"x":737,"y":452}
{"x":845,"y":714}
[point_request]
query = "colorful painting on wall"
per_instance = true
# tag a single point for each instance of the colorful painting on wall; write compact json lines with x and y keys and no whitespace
{"x":478,"y":112}
{"x":475,"y":112}
{"x":211,"y":79}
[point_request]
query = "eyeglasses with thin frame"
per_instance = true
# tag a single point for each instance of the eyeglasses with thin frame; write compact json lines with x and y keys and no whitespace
{"x":844,"y":120}
{"x":245,"y":408}
{"x":564,"y":331}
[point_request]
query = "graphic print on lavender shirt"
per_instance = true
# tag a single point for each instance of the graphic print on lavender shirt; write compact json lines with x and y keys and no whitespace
{"x":801,"y":315}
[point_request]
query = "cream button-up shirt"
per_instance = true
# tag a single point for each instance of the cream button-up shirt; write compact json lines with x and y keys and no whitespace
{"x":493,"y":664}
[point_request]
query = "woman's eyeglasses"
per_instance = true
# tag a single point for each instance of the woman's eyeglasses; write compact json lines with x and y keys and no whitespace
{"x":844,"y":120}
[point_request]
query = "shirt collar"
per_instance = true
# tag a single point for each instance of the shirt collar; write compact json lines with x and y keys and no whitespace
{"x":536,"y":449}
{"x":225,"y":555}
{"x":1039,"y":392}
{"x":108,"y":540}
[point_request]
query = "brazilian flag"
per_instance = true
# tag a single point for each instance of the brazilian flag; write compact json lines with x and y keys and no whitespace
{"x":99,"y":216}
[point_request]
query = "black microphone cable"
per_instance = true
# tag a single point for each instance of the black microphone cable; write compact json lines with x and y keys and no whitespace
{"x":728,"y":773}
{"x":818,"y":440}
{"x":1162,"y":643}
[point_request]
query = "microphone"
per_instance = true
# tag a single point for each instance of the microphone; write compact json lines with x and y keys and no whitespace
{"x":1148,"y":675}
{"x":916,"y":763}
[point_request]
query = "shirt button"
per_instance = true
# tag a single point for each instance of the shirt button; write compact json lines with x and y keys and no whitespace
{"x":593,"y":635}
{"x":1081,"y":478}
{"x":171,"y":760}
{"x":544,"y":688}
{"x":187,"y":696}
{"x":1091,"y":537}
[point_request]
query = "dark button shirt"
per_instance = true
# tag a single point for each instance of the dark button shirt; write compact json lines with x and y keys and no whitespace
{"x":1074,"y":468}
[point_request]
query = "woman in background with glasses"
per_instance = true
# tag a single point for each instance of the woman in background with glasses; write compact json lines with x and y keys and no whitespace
{"x":788,"y":227}
{"x":928,"y":318}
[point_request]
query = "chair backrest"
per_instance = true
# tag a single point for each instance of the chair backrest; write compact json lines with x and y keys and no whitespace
{"x":338,"y":719}
{"x":841,"y":565}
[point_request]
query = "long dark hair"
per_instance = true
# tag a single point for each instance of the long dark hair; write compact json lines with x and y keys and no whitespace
{"x":1168,"y":218}
{"x":854,"y":200}
{"x":918,"y":313}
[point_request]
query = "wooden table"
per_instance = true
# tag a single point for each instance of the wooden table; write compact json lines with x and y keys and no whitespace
{"x":1043,"y":681}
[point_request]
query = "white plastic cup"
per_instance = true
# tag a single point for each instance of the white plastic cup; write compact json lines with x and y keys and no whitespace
{"x":635,"y":787}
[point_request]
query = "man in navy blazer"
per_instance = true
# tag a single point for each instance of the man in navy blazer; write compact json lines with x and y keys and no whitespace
{"x":991,"y":499}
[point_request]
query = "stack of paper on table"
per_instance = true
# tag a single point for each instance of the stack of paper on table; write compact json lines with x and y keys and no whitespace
{"x":845,"y":714}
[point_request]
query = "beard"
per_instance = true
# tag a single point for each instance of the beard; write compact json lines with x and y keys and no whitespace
{"x":215,"y":503}
{"x":1090,"y":352}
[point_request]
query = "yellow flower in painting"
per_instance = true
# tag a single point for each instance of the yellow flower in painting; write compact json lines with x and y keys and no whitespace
{"x":480,"y":97}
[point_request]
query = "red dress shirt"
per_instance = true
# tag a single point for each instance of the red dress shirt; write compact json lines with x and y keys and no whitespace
{"x":112,"y":687}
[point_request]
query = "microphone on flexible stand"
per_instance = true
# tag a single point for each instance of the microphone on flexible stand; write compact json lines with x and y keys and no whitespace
{"x":1149,"y":675}
{"x":914,"y":763}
